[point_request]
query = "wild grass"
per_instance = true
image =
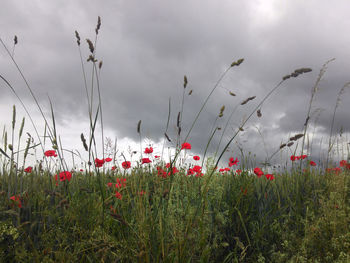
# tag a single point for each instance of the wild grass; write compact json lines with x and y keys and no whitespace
{"x":168,"y":211}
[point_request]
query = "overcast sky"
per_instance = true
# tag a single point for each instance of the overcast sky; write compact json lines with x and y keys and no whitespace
{"x":148,"y":46}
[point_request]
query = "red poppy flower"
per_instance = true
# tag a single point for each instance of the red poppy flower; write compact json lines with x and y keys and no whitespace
{"x":197,"y":168}
{"x":343,"y":163}
{"x":190,"y":171}
{"x":81,"y":170}
{"x":303,"y":156}
{"x":148,"y":150}
{"x":167,"y":165}
{"x":258,"y":172}
{"x":99,"y":163}
{"x":108,"y":160}
{"x":238,"y":171}
{"x":28,"y":169}
{"x":196,"y":158}
{"x":65,"y":176}
{"x":312,"y":163}
{"x":114,"y":167}
{"x":146,"y":160}
{"x":161,"y":172}
{"x":126,"y":164}
{"x":109,"y":184}
{"x":233,"y":162}
{"x":269,"y":176}
{"x":50,"y":153}
{"x":17,"y":199}
{"x":175,"y":170}
{"x":186,"y":146}
{"x":292,"y":158}
{"x":156,"y":156}
{"x":118,"y":195}
{"x":62,"y":177}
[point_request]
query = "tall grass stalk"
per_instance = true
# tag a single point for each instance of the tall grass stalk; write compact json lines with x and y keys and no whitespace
{"x":166,"y":129}
{"x":224,"y":130}
{"x":18,"y":147}
{"x":13,"y":170}
{"x":330,"y":146}
{"x":233,"y":64}
{"x":313,"y":93}
{"x":179,"y":119}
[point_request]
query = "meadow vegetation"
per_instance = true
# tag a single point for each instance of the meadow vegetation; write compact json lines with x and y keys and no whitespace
{"x":187,"y":208}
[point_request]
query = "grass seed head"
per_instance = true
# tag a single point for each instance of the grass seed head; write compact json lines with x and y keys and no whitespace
{"x":15,"y":40}
{"x":98,"y":25}
{"x":259,"y":113}
{"x":300,"y":71}
{"x":296,"y":137}
{"x":26,"y":149}
{"x":185,"y":82}
{"x":77,"y":37}
{"x":21,"y":129}
{"x":248,"y":99}
{"x":139,"y":127}
{"x":14,"y":117}
{"x":5,"y":140}
{"x":84,"y":142}
{"x":297,"y":72}
{"x":222,"y":111}
{"x":91,"y":46}
{"x":286,"y":77}
{"x":91,"y":58}
{"x":167,"y":137}
{"x":237,"y":63}
{"x":190,"y":92}
{"x":231,"y":93}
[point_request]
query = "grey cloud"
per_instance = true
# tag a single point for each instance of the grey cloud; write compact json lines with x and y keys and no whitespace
{"x":147,"y":47}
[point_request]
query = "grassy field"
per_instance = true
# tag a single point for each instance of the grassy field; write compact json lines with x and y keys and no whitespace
{"x":186,"y":209}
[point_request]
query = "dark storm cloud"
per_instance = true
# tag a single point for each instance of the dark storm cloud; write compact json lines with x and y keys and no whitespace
{"x":148,"y":46}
